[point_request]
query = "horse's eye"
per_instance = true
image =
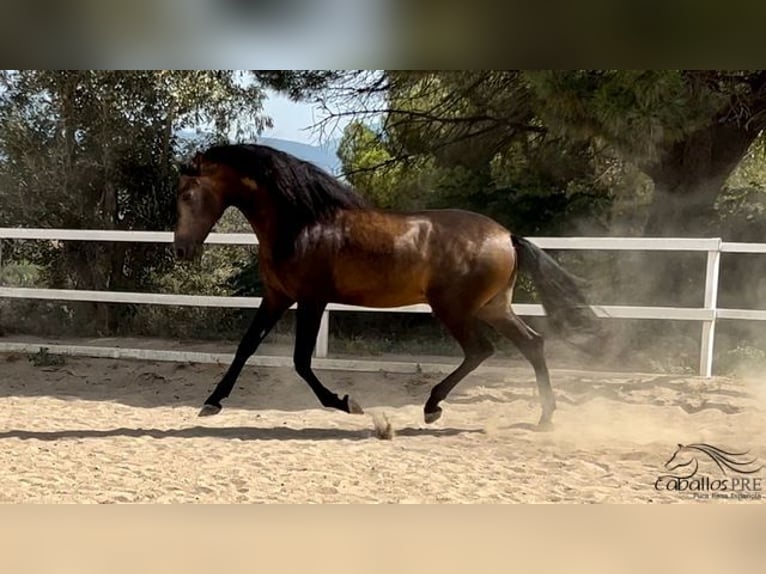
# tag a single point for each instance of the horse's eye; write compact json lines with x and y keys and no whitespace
{"x":186,"y":196}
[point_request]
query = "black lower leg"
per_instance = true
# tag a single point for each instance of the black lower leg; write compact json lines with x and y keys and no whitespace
{"x":530,"y":344}
{"x":477,"y":348}
{"x":265,"y":318}
{"x":308,"y":318}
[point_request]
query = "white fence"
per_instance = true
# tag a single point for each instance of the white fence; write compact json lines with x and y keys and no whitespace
{"x":707,"y":314}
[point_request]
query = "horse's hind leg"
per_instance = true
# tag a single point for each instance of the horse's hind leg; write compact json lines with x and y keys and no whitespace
{"x":307,"y":320}
{"x":476,"y":347}
{"x":530,"y":343}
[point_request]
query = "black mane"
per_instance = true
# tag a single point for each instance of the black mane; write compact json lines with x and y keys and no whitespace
{"x":304,"y":192}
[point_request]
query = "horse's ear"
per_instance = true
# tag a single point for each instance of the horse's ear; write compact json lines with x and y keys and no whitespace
{"x":196,"y":162}
{"x":193,"y":167}
{"x":185,"y":168}
{"x":680,"y":445}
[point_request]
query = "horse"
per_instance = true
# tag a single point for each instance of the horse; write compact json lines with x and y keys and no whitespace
{"x":321,"y":242}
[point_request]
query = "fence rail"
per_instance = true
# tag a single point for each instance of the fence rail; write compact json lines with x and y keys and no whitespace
{"x":708,"y":314}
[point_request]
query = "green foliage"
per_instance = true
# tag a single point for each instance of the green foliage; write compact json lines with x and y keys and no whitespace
{"x":751,"y":171}
{"x":636,"y":111}
{"x":373,"y":170}
{"x":44,"y":359}
{"x":297,"y":84}
{"x":19,"y":274}
{"x":98,"y":150}
{"x":570,"y":130}
{"x":469,"y":140}
{"x":246,"y":281}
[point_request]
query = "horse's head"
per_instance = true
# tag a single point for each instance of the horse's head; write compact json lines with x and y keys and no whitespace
{"x":683,"y":456}
{"x":200,"y":203}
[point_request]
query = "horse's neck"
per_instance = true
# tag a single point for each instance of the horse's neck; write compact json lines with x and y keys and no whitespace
{"x":266,"y":234}
{"x":263,"y":221}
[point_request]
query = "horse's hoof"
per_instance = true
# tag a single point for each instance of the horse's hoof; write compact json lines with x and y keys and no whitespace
{"x":545,"y":423}
{"x":352,"y":406}
{"x":209,"y":410}
{"x":433,"y":416}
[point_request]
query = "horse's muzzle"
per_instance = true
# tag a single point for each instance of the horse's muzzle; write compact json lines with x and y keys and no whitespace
{"x":185,"y":249}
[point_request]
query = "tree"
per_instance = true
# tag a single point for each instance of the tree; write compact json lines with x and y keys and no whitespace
{"x":97,"y":149}
{"x":375,"y":173}
{"x":441,"y":142}
{"x":687,"y":130}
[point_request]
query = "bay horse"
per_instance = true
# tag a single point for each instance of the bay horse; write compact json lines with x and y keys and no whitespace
{"x":321,"y":242}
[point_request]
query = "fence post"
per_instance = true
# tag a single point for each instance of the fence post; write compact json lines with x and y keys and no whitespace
{"x":323,"y":337}
{"x":711,"y":302}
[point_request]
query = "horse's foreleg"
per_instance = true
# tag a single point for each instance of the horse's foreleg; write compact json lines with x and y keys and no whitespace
{"x":307,"y":320}
{"x":270,"y":311}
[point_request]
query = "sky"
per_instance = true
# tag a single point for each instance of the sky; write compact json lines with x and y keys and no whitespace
{"x":294,"y":120}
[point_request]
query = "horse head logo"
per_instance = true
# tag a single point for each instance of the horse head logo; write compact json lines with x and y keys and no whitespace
{"x":685,"y":460}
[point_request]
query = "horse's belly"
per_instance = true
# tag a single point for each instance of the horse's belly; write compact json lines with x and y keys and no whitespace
{"x":380,"y":299}
{"x":380,"y":286}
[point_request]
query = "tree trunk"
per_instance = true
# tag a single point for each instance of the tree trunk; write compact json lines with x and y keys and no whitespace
{"x":689,"y":176}
{"x":687,"y":181}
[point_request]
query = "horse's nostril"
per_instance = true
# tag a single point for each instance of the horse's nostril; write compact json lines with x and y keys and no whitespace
{"x":180,"y":251}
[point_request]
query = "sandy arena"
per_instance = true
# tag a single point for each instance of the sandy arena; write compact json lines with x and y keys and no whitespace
{"x":107,"y":431}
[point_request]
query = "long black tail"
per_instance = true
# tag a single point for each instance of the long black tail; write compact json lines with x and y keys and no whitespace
{"x":564,"y":303}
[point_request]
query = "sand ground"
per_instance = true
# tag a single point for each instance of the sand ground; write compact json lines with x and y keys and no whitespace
{"x":104,"y":431}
